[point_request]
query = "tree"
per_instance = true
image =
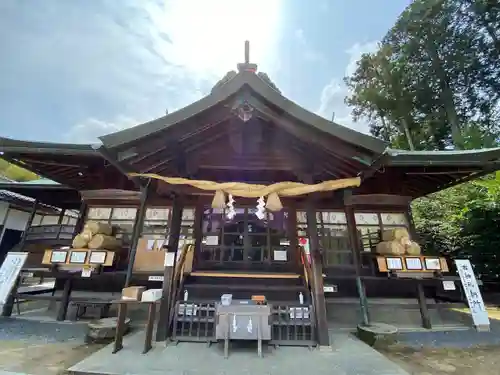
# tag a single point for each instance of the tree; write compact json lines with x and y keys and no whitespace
{"x":15,"y":173}
{"x":435,"y":76}
{"x":434,"y":83}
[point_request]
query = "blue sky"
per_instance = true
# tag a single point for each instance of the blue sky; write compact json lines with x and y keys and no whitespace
{"x":74,"y":70}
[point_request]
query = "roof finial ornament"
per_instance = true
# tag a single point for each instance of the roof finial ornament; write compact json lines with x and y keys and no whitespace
{"x":247,"y":66}
{"x":247,"y":52}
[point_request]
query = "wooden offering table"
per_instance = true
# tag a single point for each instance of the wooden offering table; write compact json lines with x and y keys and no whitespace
{"x":122,"y":315}
{"x":243,"y":320}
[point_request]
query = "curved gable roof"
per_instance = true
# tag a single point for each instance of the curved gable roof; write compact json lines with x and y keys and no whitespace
{"x":231,"y":87}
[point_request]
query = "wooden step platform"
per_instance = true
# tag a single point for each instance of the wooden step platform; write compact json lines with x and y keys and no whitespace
{"x":246,"y":275}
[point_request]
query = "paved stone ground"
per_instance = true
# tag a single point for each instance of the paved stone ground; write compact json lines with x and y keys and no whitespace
{"x":348,"y":356}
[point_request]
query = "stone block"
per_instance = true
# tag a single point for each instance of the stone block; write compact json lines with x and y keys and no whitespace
{"x":104,"y":330}
{"x":378,"y":335}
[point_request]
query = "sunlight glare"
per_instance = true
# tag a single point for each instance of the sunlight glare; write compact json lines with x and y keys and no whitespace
{"x":207,"y":37}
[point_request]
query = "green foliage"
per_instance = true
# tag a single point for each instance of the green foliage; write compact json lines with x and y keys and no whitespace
{"x":434,"y":84}
{"x":15,"y":172}
{"x":463,"y":222}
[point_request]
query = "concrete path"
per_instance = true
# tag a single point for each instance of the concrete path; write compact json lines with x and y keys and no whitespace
{"x":347,"y":356}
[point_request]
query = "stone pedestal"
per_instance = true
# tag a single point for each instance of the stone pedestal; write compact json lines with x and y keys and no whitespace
{"x":103,"y":330}
{"x":378,"y":335}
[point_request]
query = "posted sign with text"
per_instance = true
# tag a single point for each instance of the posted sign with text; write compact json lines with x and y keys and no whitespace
{"x":473,"y":295}
{"x":9,"y":272}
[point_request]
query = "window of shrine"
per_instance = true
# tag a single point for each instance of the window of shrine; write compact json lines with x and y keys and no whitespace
{"x":370,"y":226}
{"x":120,"y":217}
{"x":157,"y":223}
{"x":333,"y":236}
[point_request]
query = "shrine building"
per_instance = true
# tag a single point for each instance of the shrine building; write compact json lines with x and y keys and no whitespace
{"x":305,"y":242}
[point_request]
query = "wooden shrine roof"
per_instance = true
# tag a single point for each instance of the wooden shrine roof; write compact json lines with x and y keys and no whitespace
{"x":74,"y":166}
{"x":281,"y":142}
{"x":418,"y":173}
{"x":244,"y":81}
{"x":51,"y":194}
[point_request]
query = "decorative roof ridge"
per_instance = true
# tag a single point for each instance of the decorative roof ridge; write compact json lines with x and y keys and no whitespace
{"x":10,"y":144}
{"x":396,"y":152}
{"x":248,"y":67}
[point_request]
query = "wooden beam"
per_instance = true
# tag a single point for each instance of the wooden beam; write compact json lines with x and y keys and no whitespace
{"x":317,"y":274}
{"x":54,"y":163}
{"x":170,"y":157}
{"x":138,"y":224}
{"x":316,"y":154}
{"x":151,"y":146}
{"x":168,"y":287}
{"x":377,"y":200}
{"x":356,"y":257}
{"x":304,"y":132}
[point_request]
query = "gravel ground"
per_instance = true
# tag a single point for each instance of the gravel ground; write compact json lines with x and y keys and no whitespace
{"x":477,"y":361}
{"x":453,"y":339}
{"x":454,"y":352}
{"x":38,"y":332}
{"x":41,"y":348}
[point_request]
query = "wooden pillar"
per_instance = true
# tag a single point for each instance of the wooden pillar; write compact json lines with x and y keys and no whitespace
{"x":354,"y":241}
{"x":317,"y":273}
{"x":198,"y":229}
{"x":9,"y":304}
{"x":80,"y":222}
{"x":2,"y":256}
{"x":61,"y":216}
{"x":63,"y":305}
{"x":411,"y":224}
{"x":291,"y":224}
{"x":29,"y":223}
{"x":162,"y":331}
{"x":138,"y":224}
{"x":422,"y":304}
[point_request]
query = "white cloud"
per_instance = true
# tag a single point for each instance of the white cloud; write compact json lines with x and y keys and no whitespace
{"x":334,"y":93}
{"x":130,"y":59}
{"x":90,"y":129}
{"x":308,"y":53}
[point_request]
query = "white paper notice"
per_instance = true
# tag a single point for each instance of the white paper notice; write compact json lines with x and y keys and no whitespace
{"x":449,"y":285}
{"x":433,"y":264}
{"x":394,"y":263}
{"x":473,"y":294}
{"x":330,"y":289}
{"x":169,"y":259}
{"x":413,"y":264}
{"x":156,"y":278}
{"x":151,"y":244}
{"x":86,"y":272}
{"x":280,"y":255}
{"x":212,"y":240}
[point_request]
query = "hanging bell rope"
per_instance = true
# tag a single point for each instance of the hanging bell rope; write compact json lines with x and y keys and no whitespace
{"x":240,"y":189}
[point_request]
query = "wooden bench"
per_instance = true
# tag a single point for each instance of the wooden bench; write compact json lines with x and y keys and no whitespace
{"x":122,"y":315}
{"x":78,"y":308}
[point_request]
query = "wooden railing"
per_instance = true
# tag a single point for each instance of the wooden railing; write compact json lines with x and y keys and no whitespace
{"x":59,"y":232}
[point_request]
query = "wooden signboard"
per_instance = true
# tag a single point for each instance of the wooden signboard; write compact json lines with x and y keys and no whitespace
{"x":9,"y":272}
{"x":79,"y":257}
{"x":150,"y":256}
{"x":411,"y":264}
